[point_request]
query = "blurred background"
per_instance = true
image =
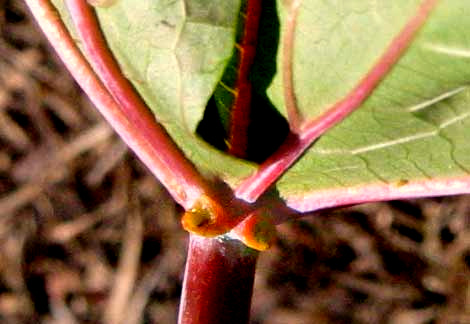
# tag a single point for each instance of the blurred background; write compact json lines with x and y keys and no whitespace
{"x":87,"y":235}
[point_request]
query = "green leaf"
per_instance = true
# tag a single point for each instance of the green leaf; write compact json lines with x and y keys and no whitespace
{"x":335,"y":44}
{"x":413,"y":127}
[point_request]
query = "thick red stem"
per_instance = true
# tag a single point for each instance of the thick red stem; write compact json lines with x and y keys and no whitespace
{"x":218,"y":282}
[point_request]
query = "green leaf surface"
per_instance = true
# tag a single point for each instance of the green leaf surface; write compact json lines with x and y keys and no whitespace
{"x":335,"y":44}
{"x":413,"y":127}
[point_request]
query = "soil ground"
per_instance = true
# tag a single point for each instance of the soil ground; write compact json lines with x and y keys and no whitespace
{"x":87,"y":235}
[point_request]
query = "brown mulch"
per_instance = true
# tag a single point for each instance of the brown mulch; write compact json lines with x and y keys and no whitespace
{"x":87,"y":235}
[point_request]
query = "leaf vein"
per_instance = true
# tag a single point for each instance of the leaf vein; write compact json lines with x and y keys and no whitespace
{"x":434,"y":100}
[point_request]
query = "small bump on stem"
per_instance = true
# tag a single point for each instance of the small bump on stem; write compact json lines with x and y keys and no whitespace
{"x":256,"y":231}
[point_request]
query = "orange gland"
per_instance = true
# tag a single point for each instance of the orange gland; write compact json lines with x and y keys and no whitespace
{"x":256,"y":231}
{"x":206,"y":218}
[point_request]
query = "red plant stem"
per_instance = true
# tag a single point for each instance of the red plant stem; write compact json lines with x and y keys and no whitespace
{"x":240,"y":114}
{"x":254,"y":186}
{"x":137,"y":128}
{"x":218,"y":282}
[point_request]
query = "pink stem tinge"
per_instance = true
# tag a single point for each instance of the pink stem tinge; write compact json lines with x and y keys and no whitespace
{"x":254,"y":186}
{"x":293,"y":114}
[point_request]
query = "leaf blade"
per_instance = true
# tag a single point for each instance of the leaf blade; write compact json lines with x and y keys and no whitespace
{"x":410,"y":131}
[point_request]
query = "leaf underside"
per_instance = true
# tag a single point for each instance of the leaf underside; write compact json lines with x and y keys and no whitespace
{"x":412,"y":128}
